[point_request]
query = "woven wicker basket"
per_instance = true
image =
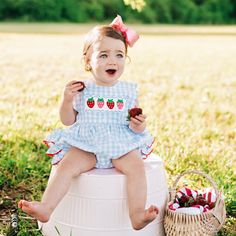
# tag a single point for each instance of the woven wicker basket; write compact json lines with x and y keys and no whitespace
{"x":207,"y":223}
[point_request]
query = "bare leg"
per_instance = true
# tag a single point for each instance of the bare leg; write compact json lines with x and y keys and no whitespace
{"x":132,"y":166}
{"x":74,"y":163}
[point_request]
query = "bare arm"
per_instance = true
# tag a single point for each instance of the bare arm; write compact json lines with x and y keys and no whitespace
{"x":67,"y":112}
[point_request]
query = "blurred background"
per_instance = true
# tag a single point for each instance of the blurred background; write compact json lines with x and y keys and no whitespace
{"x":141,"y":11}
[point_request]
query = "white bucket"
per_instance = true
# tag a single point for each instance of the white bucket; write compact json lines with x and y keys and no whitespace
{"x":96,"y":204}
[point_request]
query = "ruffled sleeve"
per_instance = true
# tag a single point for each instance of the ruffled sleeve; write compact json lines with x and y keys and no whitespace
{"x":57,"y":147}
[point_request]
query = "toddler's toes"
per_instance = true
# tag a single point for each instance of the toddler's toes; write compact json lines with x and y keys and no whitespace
{"x":153,"y":209}
{"x":20,"y":204}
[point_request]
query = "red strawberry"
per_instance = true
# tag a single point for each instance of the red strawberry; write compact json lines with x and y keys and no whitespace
{"x":134,"y":112}
{"x":81,"y":83}
{"x":200,"y":200}
{"x":90,"y":102}
{"x":183,"y":200}
{"x":191,"y":202}
{"x":211,"y":205}
{"x":110,"y":104}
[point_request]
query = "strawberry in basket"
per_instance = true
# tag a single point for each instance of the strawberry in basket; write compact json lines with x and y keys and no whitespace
{"x":191,"y":201}
{"x":200,"y":200}
{"x":191,"y":212}
{"x":185,"y":201}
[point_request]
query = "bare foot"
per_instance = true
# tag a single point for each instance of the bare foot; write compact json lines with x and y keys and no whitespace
{"x":37,"y":210}
{"x":142,"y":218}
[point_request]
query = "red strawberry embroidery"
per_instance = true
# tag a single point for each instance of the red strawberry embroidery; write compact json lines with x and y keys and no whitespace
{"x":110,"y":104}
{"x":100,"y":102}
{"x":90,"y":102}
{"x":120,"y":104}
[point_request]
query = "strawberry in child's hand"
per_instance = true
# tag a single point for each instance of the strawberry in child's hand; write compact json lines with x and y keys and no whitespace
{"x":81,"y":83}
{"x":134,"y":112}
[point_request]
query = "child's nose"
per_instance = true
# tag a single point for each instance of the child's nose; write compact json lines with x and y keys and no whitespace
{"x":112,"y":61}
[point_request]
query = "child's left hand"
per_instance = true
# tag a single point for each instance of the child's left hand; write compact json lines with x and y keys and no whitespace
{"x":138,"y":123}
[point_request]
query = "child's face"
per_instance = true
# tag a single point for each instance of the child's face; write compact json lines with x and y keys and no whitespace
{"x":107,"y":60}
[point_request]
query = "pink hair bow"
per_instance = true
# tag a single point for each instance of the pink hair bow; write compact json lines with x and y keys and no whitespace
{"x":130,"y":35}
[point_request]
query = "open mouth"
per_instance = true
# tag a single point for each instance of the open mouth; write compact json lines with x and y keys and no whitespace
{"x":111,"y":71}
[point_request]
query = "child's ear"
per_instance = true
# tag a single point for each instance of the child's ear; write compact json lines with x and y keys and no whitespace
{"x":87,"y":63}
{"x":88,"y":67}
{"x":86,"y":59}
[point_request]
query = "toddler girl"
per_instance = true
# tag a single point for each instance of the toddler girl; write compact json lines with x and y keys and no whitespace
{"x":99,"y":134}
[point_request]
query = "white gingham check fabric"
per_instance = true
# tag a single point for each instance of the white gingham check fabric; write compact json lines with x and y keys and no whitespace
{"x":101,"y":125}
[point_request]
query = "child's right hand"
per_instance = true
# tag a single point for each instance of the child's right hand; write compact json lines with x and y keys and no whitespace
{"x":71,"y":90}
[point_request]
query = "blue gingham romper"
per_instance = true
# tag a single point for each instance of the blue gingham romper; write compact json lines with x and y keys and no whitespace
{"x":101,"y":125}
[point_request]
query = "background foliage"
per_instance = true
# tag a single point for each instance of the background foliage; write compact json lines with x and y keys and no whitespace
{"x":153,"y":11}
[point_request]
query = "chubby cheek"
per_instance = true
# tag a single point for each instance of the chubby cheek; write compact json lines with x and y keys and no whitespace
{"x":94,"y":67}
{"x":93,"y":64}
{"x":121,"y":68}
{"x":96,"y":64}
{"x":97,"y":69}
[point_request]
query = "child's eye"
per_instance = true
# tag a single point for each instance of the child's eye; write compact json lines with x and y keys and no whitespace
{"x":120,"y":55}
{"x":103,"y":56}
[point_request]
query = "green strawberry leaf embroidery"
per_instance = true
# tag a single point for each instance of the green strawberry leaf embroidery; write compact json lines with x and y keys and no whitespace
{"x":90,"y":99}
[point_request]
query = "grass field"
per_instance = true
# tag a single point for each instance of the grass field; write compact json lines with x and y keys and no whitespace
{"x":187,"y":85}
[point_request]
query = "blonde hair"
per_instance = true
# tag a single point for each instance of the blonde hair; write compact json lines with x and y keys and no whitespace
{"x":96,"y":34}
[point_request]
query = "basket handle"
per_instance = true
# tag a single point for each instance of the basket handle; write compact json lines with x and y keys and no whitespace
{"x":173,"y":190}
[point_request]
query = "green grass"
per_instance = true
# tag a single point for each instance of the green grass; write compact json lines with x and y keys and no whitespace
{"x":187,"y":89}
{"x":74,"y":28}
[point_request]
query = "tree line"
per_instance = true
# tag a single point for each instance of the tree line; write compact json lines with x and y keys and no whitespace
{"x":154,"y":11}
